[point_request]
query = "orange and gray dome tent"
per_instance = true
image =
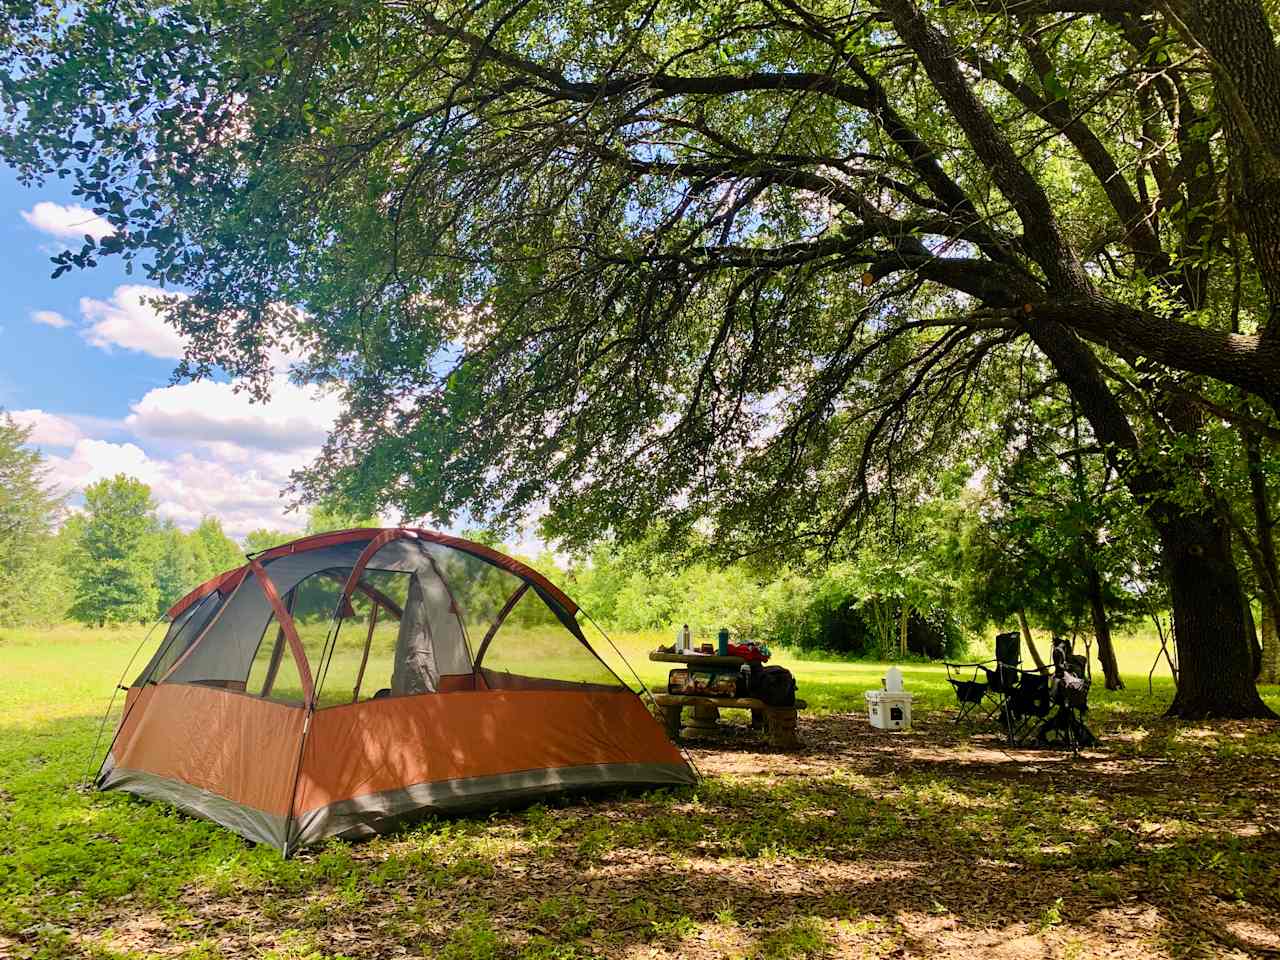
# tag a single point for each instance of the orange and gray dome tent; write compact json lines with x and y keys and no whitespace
{"x":343,"y":683}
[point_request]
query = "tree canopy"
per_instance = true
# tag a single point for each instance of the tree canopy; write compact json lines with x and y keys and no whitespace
{"x":113,"y":577}
{"x":29,"y":510}
{"x":751,"y":265}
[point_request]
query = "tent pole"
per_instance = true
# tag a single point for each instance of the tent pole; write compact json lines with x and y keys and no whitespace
{"x":277,"y":652}
{"x":364,"y":658}
{"x":297,"y":776}
{"x":497,"y":622}
{"x":268,"y":587}
{"x":111,"y":703}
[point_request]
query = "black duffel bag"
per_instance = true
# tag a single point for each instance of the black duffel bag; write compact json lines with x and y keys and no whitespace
{"x":776,"y":687}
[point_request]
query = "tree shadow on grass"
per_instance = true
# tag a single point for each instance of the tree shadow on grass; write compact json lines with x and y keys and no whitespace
{"x":923,"y":846}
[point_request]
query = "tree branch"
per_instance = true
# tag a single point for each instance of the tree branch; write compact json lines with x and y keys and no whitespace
{"x":1040,"y":226}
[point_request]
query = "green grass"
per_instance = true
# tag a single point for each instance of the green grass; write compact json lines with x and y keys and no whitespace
{"x":1162,"y":844}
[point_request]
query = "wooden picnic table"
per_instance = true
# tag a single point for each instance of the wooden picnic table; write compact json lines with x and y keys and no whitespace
{"x":779,"y":723}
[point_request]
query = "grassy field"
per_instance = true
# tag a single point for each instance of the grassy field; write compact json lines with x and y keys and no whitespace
{"x":934,"y":843}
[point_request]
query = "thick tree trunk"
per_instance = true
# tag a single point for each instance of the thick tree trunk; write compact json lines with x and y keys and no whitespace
{"x":1270,"y":672}
{"x":1251,"y":630}
{"x":1030,"y":640}
{"x":1215,"y":662}
{"x":1102,"y":630}
{"x":1216,"y":669}
{"x":1264,"y":560}
{"x":1244,"y":56}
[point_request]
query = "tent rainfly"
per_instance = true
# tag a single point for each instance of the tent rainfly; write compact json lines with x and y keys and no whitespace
{"x":340,"y":684}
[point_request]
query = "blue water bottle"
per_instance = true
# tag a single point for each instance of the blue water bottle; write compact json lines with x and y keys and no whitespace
{"x":723,"y":638}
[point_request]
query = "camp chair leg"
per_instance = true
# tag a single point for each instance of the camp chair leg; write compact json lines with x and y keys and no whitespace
{"x":1010,"y":725}
{"x":997,"y":710}
{"x":1023,"y":731}
{"x":1065,"y":729}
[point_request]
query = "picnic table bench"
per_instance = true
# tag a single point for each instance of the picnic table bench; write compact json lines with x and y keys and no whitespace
{"x":779,"y":722}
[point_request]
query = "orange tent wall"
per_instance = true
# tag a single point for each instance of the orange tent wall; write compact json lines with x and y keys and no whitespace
{"x":234,"y":759}
{"x":380,"y":745}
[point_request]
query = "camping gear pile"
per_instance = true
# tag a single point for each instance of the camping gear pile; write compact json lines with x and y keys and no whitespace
{"x":1044,"y":708}
{"x":462,"y":680}
{"x":1069,"y":691}
{"x":774,"y":685}
{"x":709,"y":682}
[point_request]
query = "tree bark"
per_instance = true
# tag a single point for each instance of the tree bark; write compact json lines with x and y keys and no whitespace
{"x":1251,"y":631}
{"x":1029,"y":640}
{"x":1264,"y":560}
{"x":1102,"y":630}
{"x":1270,"y":672}
{"x":1242,"y":52}
{"x":905,"y":616}
{"x":1215,"y":663}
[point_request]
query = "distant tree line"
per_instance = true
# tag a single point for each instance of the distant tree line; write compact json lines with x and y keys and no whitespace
{"x":1032,"y":531}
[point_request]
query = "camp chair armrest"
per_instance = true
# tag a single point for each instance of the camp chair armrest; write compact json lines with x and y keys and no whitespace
{"x":959,"y":669}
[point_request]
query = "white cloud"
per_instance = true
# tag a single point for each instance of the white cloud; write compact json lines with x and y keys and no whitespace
{"x":128,"y":320}
{"x":69,"y":222}
{"x":201,"y":447}
{"x":48,"y":429}
{"x":187,"y":486}
{"x":214,"y":415}
{"x":50,"y":318}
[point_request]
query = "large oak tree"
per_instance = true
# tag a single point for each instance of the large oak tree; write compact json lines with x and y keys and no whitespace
{"x":750,"y":261}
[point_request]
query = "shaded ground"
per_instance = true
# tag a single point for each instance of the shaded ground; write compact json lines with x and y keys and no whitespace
{"x":935,"y":843}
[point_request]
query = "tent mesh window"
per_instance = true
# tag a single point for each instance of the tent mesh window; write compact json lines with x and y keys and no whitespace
{"x":361,"y":658}
{"x":273,"y":673}
{"x":530,"y":648}
{"x":178,"y":638}
{"x":416,"y":622}
{"x":223,"y":653}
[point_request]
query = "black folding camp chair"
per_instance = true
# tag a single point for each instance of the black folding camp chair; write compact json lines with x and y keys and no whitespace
{"x":970,"y":691}
{"x":1027,"y":703}
{"x":1069,"y":694}
{"x":989,"y":681}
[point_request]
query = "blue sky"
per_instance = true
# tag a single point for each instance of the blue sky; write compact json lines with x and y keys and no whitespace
{"x":85,"y":361}
{"x":43,"y":366}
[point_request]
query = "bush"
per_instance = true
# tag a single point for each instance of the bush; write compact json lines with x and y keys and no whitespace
{"x":827,"y":616}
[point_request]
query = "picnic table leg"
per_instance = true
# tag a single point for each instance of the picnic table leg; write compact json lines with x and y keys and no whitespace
{"x":703,"y":721}
{"x":782,"y":729}
{"x":671,"y":720}
{"x":757,"y":719}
